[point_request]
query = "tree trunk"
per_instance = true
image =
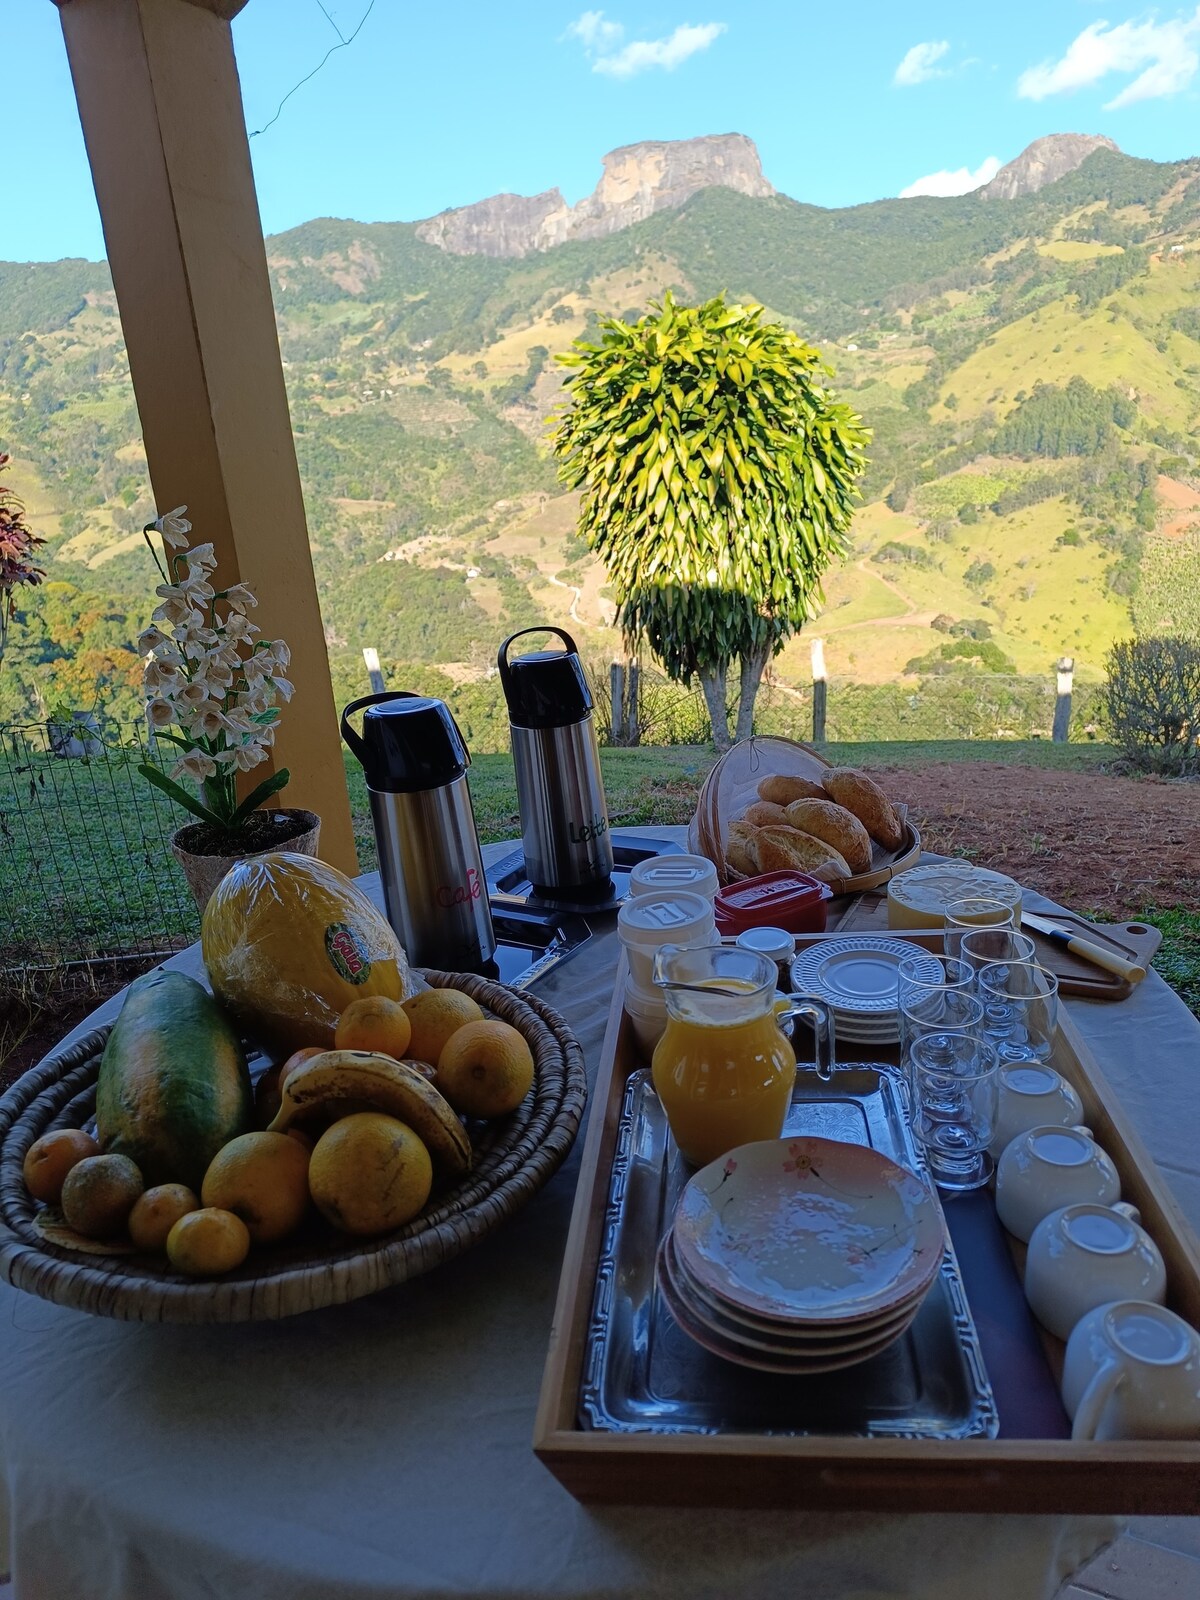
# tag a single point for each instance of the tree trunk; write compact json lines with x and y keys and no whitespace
{"x":713,"y":684}
{"x":633,"y":715}
{"x":753,"y":667}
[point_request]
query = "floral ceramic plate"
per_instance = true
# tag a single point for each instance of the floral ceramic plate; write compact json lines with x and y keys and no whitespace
{"x":778,"y":1338}
{"x":788,"y":1364}
{"x":809,"y":1230}
{"x":859,"y":975}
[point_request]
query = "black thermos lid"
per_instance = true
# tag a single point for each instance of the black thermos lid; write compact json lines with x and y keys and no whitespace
{"x":546,"y":689}
{"x":409,"y":742}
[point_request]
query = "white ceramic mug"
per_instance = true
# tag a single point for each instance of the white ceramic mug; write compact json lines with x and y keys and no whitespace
{"x":1086,"y":1256}
{"x":1032,"y":1096}
{"x":1132,"y":1371}
{"x":1047,"y":1168}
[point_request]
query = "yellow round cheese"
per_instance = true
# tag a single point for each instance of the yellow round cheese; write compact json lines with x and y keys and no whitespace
{"x":918,"y":898}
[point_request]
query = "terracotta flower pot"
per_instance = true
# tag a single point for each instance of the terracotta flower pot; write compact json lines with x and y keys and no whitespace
{"x":204,"y":872}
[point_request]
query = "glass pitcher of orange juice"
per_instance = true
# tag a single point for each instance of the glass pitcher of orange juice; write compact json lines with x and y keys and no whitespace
{"x":724,"y":1069}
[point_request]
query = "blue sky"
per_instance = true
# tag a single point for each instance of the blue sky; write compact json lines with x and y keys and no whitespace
{"x":438,"y":105}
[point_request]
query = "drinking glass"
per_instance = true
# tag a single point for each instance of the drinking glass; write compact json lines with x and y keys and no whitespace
{"x":941,"y":1014}
{"x":1020,"y":1001}
{"x":983,"y":947}
{"x":954,"y":1082}
{"x":921,"y":976}
{"x":976,"y":911}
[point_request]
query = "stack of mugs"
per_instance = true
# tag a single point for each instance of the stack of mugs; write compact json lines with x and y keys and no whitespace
{"x":670,"y":903}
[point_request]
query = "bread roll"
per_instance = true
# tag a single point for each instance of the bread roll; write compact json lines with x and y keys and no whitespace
{"x":765,"y":814}
{"x":739,"y":848}
{"x":777,"y":849}
{"x":863,"y":796}
{"x":782,"y":791}
{"x":836,"y":826}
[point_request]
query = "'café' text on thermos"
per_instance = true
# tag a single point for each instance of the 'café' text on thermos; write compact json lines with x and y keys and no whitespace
{"x":434,"y":890}
{"x":560,"y":794}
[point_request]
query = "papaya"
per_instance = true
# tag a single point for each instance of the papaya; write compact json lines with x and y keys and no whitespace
{"x":173,"y":1085}
{"x":289,"y":942}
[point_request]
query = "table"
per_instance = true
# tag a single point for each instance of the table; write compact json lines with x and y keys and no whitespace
{"x":383,"y":1448}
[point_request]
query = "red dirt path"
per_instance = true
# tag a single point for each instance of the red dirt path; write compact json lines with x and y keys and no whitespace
{"x":1107,"y":846}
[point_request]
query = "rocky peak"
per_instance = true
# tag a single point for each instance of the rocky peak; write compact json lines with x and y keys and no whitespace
{"x":637,"y":181}
{"x":1042,"y":162}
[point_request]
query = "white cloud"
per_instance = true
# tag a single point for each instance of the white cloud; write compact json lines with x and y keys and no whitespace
{"x":920,"y":63}
{"x":1164,"y":55}
{"x":601,"y":40}
{"x":961,"y":181}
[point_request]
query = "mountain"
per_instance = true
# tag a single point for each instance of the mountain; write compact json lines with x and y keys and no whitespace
{"x":638,"y":180}
{"x":1042,"y":162}
{"x":1030,"y":368}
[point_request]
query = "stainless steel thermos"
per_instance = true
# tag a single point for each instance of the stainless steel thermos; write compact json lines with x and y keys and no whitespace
{"x":434,"y":890}
{"x":560,"y":794}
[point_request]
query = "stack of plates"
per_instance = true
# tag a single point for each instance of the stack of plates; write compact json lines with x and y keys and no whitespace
{"x":800,"y":1255}
{"x":859,"y":979}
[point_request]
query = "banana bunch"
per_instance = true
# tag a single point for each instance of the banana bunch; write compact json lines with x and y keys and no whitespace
{"x":341,"y":1081}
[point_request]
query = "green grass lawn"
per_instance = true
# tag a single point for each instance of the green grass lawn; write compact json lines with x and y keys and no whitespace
{"x":85,"y":871}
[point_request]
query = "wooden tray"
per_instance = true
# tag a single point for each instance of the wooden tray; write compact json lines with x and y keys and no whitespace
{"x":1136,"y":941}
{"x":1013,"y":1474}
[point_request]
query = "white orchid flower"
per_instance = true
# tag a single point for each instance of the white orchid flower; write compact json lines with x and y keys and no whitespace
{"x":217,"y":675}
{"x":209,"y":722}
{"x":256,"y":701}
{"x":283,"y":688}
{"x":224,"y":758}
{"x":177,"y":607}
{"x":196,"y":765}
{"x":151,"y":638}
{"x":198,"y":642}
{"x":174,"y":527}
{"x":241,"y":598}
{"x":247,"y":756}
{"x":256,"y":667}
{"x":161,"y":678}
{"x":160,"y":713}
{"x":197,"y":590}
{"x":201,"y":558}
{"x":193,"y":694}
{"x":236,"y":627}
{"x":280,"y":654}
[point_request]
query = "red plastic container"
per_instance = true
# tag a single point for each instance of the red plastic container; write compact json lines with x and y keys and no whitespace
{"x":789,"y":900}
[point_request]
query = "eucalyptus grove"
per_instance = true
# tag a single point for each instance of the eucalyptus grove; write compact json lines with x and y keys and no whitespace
{"x":718,"y":479}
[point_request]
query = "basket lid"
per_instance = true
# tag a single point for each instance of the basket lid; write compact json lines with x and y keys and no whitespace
{"x":775,"y":897}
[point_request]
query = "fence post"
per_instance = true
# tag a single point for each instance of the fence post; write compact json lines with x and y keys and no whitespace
{"x":819,"y":690}
{"x":371,"y":657}
{"x":616,"y":694}
{"x":632,"y":720}
{"x":1062,"y":705}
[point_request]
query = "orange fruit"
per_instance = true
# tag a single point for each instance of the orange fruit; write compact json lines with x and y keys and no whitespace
{"x":208,"y":1242}
{"x":50,"y":1158}
{"x":485,"y":1070}
{"x":297,"y":1059}
{"x":99,"y":1193}
{"x":263,"y":1179}
{"x":376,"y":1024}
{"x":436,"y":1015}
{"x":156,"y":1212}
{"x":370,"y":1173}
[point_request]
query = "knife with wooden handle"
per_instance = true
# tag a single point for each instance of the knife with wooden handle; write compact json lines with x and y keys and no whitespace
{"x":1085,"y":949}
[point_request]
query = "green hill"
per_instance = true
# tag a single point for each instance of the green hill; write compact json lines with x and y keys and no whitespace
{"x":1030,"y":368}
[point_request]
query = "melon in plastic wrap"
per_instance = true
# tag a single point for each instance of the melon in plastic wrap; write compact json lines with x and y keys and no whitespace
{"x":289,"y":942}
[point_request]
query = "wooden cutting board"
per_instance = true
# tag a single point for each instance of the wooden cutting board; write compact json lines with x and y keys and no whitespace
{"x":1136,"y":941}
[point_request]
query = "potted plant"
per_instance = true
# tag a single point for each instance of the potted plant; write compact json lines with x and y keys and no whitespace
{"x":211,"y":690}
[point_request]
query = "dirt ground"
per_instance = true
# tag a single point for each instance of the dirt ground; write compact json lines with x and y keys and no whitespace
{"x":1108,"y":847}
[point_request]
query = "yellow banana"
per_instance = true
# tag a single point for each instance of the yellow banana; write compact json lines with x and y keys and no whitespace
{"x":341,"y":1081}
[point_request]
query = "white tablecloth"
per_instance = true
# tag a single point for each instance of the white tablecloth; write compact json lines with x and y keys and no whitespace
{"x":383,"y":1448}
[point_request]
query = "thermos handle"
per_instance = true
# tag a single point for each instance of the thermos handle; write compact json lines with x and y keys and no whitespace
{"x":354,"y":740}
{"x":502,"y":656}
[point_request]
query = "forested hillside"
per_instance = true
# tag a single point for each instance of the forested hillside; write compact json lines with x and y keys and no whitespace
{"x":1030,"y":368}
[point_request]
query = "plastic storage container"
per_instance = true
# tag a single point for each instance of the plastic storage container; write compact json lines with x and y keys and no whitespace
{"x":789,"y":900}
{"x":674,"y":875}
{"x":648,"y":922}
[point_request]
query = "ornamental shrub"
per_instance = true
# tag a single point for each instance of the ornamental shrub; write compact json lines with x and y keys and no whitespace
{"x":1153,"y":702}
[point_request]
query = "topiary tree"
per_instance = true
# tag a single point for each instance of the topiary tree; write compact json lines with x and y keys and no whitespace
{"x":718,"y":480}
{"x":17,"y":544}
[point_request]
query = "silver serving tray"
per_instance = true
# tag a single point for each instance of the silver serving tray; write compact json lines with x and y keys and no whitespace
{"x":643,"y":1375}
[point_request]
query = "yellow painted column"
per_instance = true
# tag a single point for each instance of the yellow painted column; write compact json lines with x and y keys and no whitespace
{"x":161,"y":108}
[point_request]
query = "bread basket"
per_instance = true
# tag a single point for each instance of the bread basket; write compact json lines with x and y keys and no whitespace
{"x":732,"y":785}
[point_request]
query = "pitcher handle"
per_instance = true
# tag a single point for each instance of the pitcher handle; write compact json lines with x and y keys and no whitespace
{"x":821,"y":1016}
{"x":545,"y":627}
{"x":354,"y":740}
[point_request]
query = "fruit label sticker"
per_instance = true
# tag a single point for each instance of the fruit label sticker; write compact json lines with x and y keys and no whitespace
{"x":346,"y":950}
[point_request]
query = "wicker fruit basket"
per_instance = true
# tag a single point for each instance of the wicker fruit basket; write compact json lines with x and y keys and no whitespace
{"x":513,"y":1159}
{"x":732,"y":785}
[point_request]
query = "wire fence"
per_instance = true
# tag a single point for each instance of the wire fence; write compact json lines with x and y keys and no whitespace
{"x":86,"y":872}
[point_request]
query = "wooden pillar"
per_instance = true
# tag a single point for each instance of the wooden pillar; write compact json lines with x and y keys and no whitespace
{"x":819,"y":690}
{"x":1061,"y":732}
{"x":162,"y":117}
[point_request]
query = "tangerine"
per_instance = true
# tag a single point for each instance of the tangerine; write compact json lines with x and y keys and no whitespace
{"x":49,"y":1159}
{"x":375,"y":1024}
{"x":263,"y":1179}
{"x":156,"y":1212}
{"x":99,"y":1193}
{"x":436,"y":1015}
{"x":485,"y":1070}
{"x":207,"y":1242}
